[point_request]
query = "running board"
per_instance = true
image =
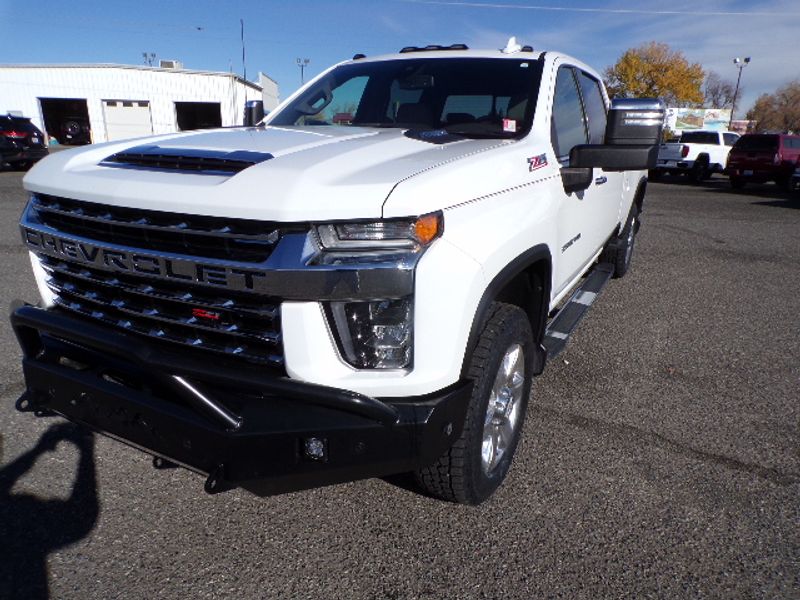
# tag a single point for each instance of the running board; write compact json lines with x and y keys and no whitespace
{"x":566,"y":320}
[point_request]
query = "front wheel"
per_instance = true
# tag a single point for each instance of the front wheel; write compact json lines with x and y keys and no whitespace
{"x":502,"y":368}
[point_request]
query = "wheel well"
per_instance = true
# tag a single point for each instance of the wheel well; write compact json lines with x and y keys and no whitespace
{"x":525,"y":282}
{"x":530,"y":291}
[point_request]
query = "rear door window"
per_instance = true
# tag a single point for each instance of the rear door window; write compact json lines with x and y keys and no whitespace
{"x":595,"y":107}
{"x":730,"y":138}
{"x":568,"y":125}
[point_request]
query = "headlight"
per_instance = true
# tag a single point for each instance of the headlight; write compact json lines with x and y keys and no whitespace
{"x":376,"y":334}
{"x":377,"y":241}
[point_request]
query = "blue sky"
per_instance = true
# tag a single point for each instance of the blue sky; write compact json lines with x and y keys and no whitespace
{"x":205,"y":34}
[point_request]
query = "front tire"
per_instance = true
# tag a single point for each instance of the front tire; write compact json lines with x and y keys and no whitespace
{"x":502,"y":368}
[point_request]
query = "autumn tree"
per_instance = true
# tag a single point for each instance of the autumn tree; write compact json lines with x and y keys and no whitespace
{"x":779,"y":111}
{"x":718,"y":92}
{"x":656,"y":70}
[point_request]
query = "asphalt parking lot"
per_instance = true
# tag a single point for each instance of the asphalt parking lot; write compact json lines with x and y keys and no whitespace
{"x":660,"y":457}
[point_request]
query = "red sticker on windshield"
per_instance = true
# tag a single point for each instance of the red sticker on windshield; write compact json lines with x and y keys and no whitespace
{"x":510,"y":125}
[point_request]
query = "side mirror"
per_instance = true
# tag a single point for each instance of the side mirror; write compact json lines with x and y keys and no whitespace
{"x":635,"y":121}
{"x":633,"y":134}
{"x":253,"y":112}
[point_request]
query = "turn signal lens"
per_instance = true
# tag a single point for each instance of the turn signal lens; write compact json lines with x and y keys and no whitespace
{"x":390,"y":240}
{"x":428,"y":227}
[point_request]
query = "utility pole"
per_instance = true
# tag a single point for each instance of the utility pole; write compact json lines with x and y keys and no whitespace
{"x":244,"y":65}
{"x":302,"y":63}
{"x":740,"y":64}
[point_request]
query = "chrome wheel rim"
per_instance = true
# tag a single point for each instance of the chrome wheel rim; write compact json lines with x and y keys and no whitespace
{"x":503,"y":410}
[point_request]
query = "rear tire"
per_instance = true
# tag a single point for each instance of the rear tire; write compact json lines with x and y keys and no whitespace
{"x":501,"y":367}
{"x":619,"y":250}
{"x":699,"y":171}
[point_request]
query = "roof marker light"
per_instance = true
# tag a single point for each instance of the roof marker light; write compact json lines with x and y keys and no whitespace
{"x":512,"y":46}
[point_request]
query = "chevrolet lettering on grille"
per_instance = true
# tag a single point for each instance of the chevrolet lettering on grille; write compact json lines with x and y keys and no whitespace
{"x":142,"y":262}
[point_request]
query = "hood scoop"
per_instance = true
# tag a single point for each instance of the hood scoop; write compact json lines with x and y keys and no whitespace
{"x":186,"y":160}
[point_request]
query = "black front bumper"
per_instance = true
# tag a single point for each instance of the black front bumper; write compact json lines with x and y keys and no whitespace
{"x":235,"y":422}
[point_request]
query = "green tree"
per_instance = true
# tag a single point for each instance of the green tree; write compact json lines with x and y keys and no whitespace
{"x":779,"y":111}
{"x":656,"y":70}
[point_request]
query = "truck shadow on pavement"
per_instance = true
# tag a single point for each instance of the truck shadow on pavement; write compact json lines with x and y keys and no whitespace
{"x":33,"y":527}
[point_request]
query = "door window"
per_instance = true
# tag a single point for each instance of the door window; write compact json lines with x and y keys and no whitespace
{"x":730,"y":138}
{"x":594,"y":106}
{"x":568,"y":125}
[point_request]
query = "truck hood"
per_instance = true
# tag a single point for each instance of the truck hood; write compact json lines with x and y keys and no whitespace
{"x":304,"y":173}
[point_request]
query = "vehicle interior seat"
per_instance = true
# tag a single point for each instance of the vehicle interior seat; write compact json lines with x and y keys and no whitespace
{"x":414,"y":113}
{"x":456,"y":118}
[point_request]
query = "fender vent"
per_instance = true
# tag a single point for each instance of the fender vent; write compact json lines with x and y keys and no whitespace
{"x":187,"y":160}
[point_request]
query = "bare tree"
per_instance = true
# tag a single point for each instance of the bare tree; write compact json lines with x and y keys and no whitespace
{"x":779,"y":111}
{"x":718,"y":92}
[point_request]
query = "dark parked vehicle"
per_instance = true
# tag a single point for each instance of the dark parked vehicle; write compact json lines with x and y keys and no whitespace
{"x":22,"y":142}
{"x":761,"y":157}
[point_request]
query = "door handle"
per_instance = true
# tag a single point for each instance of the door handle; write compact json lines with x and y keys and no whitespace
{"x":601,"y":180}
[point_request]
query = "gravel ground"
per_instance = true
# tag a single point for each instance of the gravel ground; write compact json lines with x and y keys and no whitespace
{"x":660,"y":457}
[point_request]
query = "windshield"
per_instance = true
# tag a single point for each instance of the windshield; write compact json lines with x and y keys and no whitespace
{"x":472,"y":97}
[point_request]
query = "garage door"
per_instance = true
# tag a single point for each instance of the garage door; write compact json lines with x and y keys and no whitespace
{"x":127,"y":119}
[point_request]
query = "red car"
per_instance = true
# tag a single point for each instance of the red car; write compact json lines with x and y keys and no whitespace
{"x":760,"y":157}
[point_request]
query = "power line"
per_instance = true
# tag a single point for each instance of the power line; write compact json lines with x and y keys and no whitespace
{"x":617,"y":11}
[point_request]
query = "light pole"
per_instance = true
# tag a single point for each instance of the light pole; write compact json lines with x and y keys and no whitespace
{"x":303,"y":63}
{"x":740,"y":64}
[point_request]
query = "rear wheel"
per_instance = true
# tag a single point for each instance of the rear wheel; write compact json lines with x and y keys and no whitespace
{"x":699,"y":170}
{"x":501,"y":367}
{"x":619,"y":250}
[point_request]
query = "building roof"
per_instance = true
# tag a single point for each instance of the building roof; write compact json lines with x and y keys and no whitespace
{"x":133,"y":68}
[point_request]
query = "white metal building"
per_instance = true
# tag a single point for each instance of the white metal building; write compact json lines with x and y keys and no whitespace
{"x":111,"y":102}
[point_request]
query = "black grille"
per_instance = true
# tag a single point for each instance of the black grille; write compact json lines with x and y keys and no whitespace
{"x":240,"y":240}
{"x":187,"y":160}
{"x":236,"y":324}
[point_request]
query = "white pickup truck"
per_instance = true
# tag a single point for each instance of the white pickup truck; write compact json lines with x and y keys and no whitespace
{"x":697,"y":154}
{"x":362,"y":285}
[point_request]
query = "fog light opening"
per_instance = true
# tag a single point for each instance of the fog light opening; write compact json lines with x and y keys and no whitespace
{"x":376,"y":334}
{"x":315,"y":449}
